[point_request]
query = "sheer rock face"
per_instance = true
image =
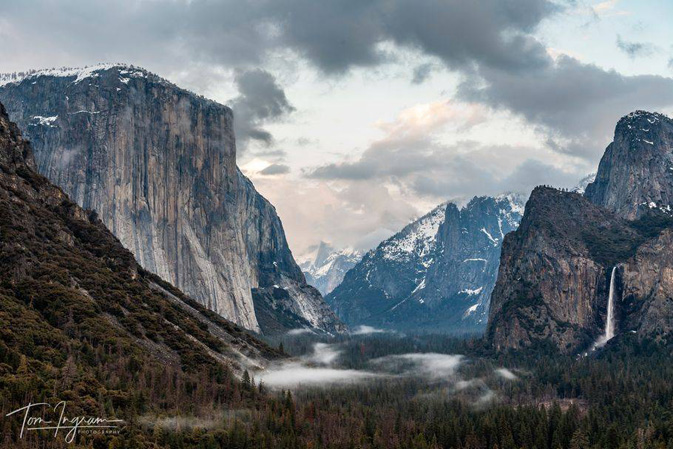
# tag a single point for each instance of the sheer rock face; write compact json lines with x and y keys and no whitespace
{"x":549,"y":285}
{"x":59,"y":261}
{"x":636,"y":171}
{"x":436,"y":274}
{"x":158,"y":164}
{"x":554,"y":279}
{"x":647,"y":295}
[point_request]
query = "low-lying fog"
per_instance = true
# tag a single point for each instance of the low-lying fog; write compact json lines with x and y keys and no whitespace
{"x":322,"y":367}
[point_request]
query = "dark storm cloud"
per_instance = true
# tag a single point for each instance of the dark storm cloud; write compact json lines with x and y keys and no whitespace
{"x":334,"y":35}
{"x":422,"y":73}
{"x":341,"y":34}
{"x":635,"y":49}
{"x":576,"y":104}
{"x":261,"y":100}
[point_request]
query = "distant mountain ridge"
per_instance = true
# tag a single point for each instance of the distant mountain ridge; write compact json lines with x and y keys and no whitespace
{"x":327,"y":267}
{"x":436,"y":274}
{"x":158,"y":164}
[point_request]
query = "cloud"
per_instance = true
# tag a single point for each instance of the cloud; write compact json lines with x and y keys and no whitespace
{"x":323,"y":354}
{"x":407,"y":146}
{"x":358,"y":214}
{"x":316,"y":369}
{"x":261,"y":100}
{"x":299,"y":331}
{"x":275,"y":169}
{"x":335,"y":36}
{"x":607,"y":9}
{"x":411,"y":157}
{"x":422,"y":73}
{"x":433,"y":365}
{"x":635,"y":49}
{"x":273,"y":153}
{"x":506,"y":374}
{"x":367,"y":330}
{"x":319,"y":369}
{"x":575,"y":104}
{"x":293,"y":375}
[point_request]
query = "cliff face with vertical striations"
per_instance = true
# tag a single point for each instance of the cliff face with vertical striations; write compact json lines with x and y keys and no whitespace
{"x":554,"y":280}
{"x":69,"y":286}
{"x":158,"y":164}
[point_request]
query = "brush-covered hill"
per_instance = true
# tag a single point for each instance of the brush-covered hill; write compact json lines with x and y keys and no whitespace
{"x":82,"y":322}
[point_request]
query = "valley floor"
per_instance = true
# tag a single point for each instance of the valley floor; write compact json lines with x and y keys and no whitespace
{"x":393,"y":391}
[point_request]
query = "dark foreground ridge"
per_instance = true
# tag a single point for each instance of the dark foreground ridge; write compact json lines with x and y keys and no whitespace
{"x":81,"y":321}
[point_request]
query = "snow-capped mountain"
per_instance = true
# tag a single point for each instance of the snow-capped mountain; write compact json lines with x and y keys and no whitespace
{"x":325,"y":267}
{"x":436,"y":274}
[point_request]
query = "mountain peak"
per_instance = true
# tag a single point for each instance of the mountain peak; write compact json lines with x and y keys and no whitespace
{"x":636,"y":171}
{"x":95,"y":129}
{"x":436,"y":274}
{"x":639,"y":126}
{"x":640,"y":114}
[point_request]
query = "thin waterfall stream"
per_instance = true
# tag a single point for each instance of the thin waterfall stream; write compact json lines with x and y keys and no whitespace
{"x":610,"y":320}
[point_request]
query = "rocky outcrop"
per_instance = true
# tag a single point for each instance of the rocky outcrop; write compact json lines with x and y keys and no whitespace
{"x":636,"y":171}
{"x":555,"y":270}
{"x":158,"y":164}
{"x":554,"y":280}
{"x":69,"y":288}
{"x":436,"y":274}
{"x":553,"y":274}
{"x":647,"y":288}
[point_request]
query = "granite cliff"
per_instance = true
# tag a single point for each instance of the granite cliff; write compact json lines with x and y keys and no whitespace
{"x":636,"y":171}
{"x":158,"y":165}
{"x":68,"y":286}
{"x":555,"y":270}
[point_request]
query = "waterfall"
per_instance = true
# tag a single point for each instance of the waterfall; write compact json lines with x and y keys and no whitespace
{"x":610,"y":321}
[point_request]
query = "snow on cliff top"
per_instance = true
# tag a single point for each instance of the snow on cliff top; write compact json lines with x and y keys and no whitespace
{"x":635,"y":116}
{"x":126,"y":72}
{"x":517,"y":201}
{"x":80,"y":73}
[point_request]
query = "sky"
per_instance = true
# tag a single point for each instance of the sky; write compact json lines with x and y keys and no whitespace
{"x":354,"y":117}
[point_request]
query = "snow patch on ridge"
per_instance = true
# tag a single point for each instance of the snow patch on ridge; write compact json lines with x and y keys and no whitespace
{"x":80,"y":73}
{"x":418,"y":238}
{"x":472,"y":292}
{"x":44,"y":121}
